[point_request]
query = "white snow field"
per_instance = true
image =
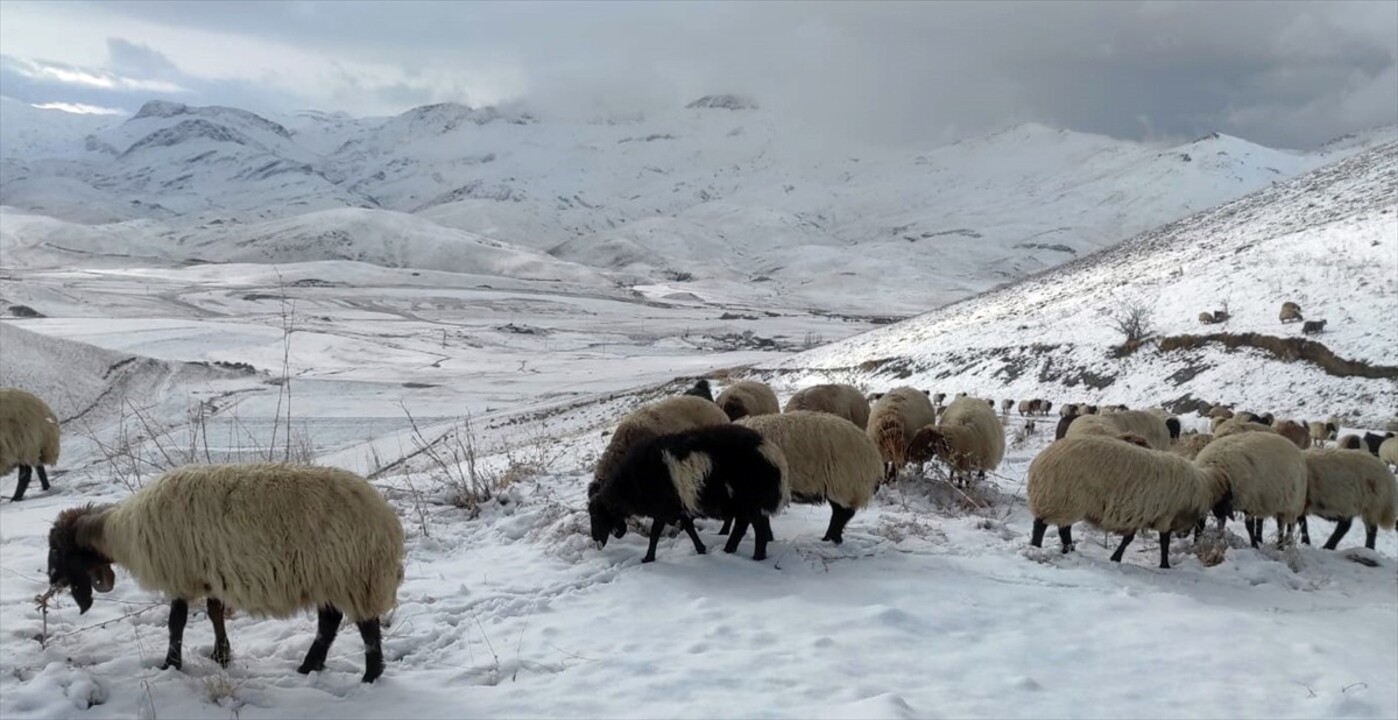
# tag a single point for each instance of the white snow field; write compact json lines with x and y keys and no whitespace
{"x":514,"y":363}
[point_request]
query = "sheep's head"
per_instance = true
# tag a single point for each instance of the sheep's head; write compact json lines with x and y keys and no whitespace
{"x":605,"y":522}
{"x":927,"y":443}
{"x":73,"y":561}
{"x":1173,"y":424}
{"x":734,"y":409}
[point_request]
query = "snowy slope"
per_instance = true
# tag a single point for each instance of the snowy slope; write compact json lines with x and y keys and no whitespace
{"x":1327,"y":240}
{"x":740,"y":203}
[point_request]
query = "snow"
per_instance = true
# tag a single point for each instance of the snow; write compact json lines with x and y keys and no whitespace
{"x":405,"y":333}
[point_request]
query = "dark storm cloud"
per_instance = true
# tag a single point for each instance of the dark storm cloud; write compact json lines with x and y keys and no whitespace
{"x":1288,"y":74}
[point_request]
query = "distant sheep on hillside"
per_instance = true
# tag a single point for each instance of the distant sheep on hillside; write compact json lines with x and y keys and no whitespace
{"x":1290,"y":312}
{"x":1313,"y":327}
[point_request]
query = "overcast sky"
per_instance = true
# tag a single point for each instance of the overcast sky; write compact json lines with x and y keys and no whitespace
{"x":1282,"y":74}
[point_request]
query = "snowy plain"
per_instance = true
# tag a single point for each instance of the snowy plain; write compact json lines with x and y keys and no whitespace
{"x":935,"y":606}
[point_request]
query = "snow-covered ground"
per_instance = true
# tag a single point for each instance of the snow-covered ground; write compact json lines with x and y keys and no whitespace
{"x":935,"y":606}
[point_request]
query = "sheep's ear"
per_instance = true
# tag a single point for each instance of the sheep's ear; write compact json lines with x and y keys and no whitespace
{"x":103,"y":579}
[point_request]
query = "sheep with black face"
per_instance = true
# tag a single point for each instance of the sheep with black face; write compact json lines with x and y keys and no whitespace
{"x":719,"y":471}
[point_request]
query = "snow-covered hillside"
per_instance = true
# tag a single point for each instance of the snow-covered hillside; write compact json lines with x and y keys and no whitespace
{"x":721,"y":196}
{"x":1327,"y":240}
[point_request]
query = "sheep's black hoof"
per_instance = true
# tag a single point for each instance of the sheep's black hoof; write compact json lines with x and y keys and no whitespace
{"x":648,"y":559}
{"x":373,"y":671}
{"x":759,"y":556}
{"x":1069,"y":548}
{"x":176,"y":663}
{"x":1164,"y":564}
{"x":221,"y":655}
{"x":309,"y":667}
{"x":701,"y":550}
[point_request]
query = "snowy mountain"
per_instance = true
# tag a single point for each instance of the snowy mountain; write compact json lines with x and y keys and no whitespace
{"x":1327,"y":240}
{"x":720,"y":196}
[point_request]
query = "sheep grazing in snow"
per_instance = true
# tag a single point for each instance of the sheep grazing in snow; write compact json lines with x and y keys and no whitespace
{"x":893,"y":421}
{"x":1290,"y":312}
{"x":1388,"y":451}
{"x":28,"y":438}
{"x":1343,"y":485}
{"x":1147,"y":425}
{"x":968,"y":438}
{"x":671,"y":415}
{"x":1219,"y":411}
{"x":748,"y":397}
{"x":701,"y":389}
{"x":1295,"y":432}
{"x":839,"y":400}
{"x":1064,"y":423}
{"x":1206,"y":318}
{"x":1044,"y":407}
{"x":267,"y":539}
{"x":1321,"y":431}
{"x":1313,"y":327}
{"x":939,"y":399}
{"x":1068,"y":410}
{"x":1265,"y":475}
{"x":1350,"y":442}
{"x":1119,"y":487}
{"x":1007,"y":404}
{"x":718,"y":471}
{"x":1028,"y":407}
{"x":827,"y":460}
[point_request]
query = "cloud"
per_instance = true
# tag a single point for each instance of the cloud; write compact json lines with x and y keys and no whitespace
{"x":1290,"y":74}
{"x":80,"y":108}
{"x":44,"y":71}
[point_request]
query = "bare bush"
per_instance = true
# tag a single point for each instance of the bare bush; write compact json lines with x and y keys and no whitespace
{"x":1133,"y":320}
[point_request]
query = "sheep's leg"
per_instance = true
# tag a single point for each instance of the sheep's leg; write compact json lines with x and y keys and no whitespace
{"x":1305,"y":531}
{"x":1371,"y":534}
{"x":43,"y":477}
{"x":373,"y":649}
{"x":327,"y":625}
{"x":1165,"y":550}
{"x":25,"y":473}
{"x":1036,"y":537}
{"x":1120,"y":549}
{"x":839,"y":517}
{"x":727,"y":526}
{"x":740,"y":528}
{"x":1065,"y":535}
{"x":179,"y":613}
{"x":1340,"y":529}
{"x":1198,"y":529}
{"x":688,"y":525}
{"x":762,"y":531}
{"x":222,"y":652}
{"x":657,"y":526}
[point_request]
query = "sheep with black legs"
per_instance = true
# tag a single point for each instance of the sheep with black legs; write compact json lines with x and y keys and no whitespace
{"x":968,"y":438}
{"x":893,"y":421}
{"x":1343,"y":485}
{"x":827,"y":460}
{"x":268,"y":539}
{"x":719,"y":471}
{"x":1265,"y":475}
{"x":1313,"y":327}
{"x":671,"y":415}
{"x":1320,"y":432}
{"x":701,"y":389}
{"x":840,"y":400}
{"x":748,"y":397}
{"x":1119,"y":487}
{"x":29,"y":438}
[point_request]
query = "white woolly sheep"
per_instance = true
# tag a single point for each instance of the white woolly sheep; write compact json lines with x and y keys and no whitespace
{"x":1235,"y":426}
{"x":1027,"y":407}
{"x":1219,"y":411}
{"x":663,"y":417}
{"x":267,"y":539}
{"x":748,"y":397}
{"x":840,"y":400}
{"x":1320,"y":432}
{"x":1388,"y":451}
{"x":969,"y":437}
{"x":827,"y":460}
{"x":1290,"y":312}
{"x":893,"y":421}
{"x":1188,"y":446}
{"x":1265,"y":475}
{"x":1147,"y":425}
{"x":1118,"y":487}
{"x":1068,"y":410}
{"x":1343,"y":485}
{"x":28,"y":438}
{"x":1007,"y":404}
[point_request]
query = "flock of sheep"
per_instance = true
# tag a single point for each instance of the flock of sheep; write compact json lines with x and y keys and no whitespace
{"x":275,"y":539}
{"x":740,"y":457}
{"x":1290,"y":312}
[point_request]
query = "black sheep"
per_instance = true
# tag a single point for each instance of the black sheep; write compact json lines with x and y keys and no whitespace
{"x":1374,"y":440}
{"x":1063,"y":424}
{"x":718,"y":471}
{"x":701,"y":389}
